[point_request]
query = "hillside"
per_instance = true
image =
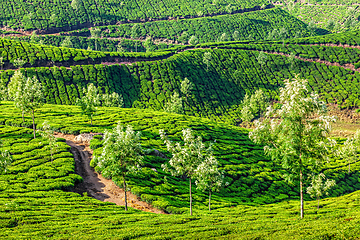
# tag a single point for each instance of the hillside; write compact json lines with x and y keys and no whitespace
{"x":251,"y":176}
{"x":335,"y":16}
{"x":250,"y":26}
{"x":145,"y":51}
{"x":35,"y":193}
{"x":149,"y":82}
{"x":73,"y":14}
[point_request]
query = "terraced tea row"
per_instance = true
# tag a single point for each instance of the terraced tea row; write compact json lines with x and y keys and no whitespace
{"x":99,"y":44}
{"x":249,"y":26}
{"x":69,"y":14}
{"x":251,"y":177}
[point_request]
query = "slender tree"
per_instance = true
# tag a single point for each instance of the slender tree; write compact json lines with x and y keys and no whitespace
{"x":34,"y":98}
{"x":319,"y":186}
{"x":236,"y":35}
{"x":296,"y":134}
{"x":193,"y":40}
{"x":208,"y":176}
{"x":121,"y":154}
{"x":5,"y":159}
{"x":175,"y":105}
{"x":89,"y":101}
{"x":33,"y":37}
{"x":135,"y":33}
{"x":48,"y":134}
{"x":262,"y":58}
{"x":283,"y":35}
{"x":291,"y":59}
{"x":66,"y":42}
{"x":223,"y":38}
{"x":53,"y":18}
{"x":16,"y":91}
{"x":184,"y":37}
{"x":187,"y":157}
{"x":95,"y":34}
{"x":230,"y":8}
{"x":207,"y":59}
{"x":252,"y":106}
{"x":112,"y":100}
{"x":330,"y":25}
{"x":19,"y":63}
{"x":350,"y":148}
{"x":2,"y":62}
{"x":76,"y":4}
{"x":186,"y":88}
{"x":149,"y":45}
{"x":311,"y":27}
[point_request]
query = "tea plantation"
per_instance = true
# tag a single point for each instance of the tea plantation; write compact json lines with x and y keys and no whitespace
{"x":144,"y":51}
{"x":36,"y":202}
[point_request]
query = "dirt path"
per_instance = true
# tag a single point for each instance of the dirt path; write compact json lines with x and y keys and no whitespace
{"x":94,"y":184}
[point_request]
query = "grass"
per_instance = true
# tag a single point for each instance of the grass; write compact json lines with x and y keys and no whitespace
{"x":53,"y":212}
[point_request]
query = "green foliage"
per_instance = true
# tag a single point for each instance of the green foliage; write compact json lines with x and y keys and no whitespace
{"x":76,"y":4}
{"x":350,"y":149}
{"x":253,"y":106}
{"x":174,"y":105}
{"x":252,"y":177}
{"x":262,"y":58}
{"x":18,"y":63}
{"x":297,"y":143}
{"x":27,"y":94}
{"x":20,"y":53}
{"x":112,"y":100}
{"x":186,"y":88}
{"x":16,"y":90}
{"x":89,"y":101}
{"x":48,"y":134}
{"x":5,"y":159}
{"x":188,"y":160}
{"x":120,"y":154}
{"x":331,"y":15}
{"x":193,"y":40}
{"x":319,"y":186}
{"x":250,"y":26}
{"x":207,"y":59}
{"x":67,"y":42}
{"x":102,"y":44}
{"x":77,"y":12}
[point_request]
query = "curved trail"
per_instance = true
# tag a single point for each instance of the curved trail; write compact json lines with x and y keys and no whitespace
{"x":94,"y":184}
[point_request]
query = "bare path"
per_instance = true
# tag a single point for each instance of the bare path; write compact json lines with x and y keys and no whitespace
{"x":94,"y":184}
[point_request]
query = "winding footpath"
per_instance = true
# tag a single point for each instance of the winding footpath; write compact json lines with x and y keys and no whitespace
{"x":94,"y":184}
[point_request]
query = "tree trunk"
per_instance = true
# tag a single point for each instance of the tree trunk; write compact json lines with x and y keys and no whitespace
{"x":301,"y":197}
{"x":209,"y":200}
{"x":125,"y":194}
{"x":190,"y":197}
{"x":318,"y":202}
{"x":22,"y":113}
{"x":33,"y":118}
{"x":91,"y":120}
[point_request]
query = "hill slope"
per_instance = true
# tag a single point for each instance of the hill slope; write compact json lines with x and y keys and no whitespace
{"x":65,"y":15}
{"x":34,"y":203}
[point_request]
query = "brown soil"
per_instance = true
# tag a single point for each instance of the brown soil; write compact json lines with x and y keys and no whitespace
{"x":94,"y":184}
